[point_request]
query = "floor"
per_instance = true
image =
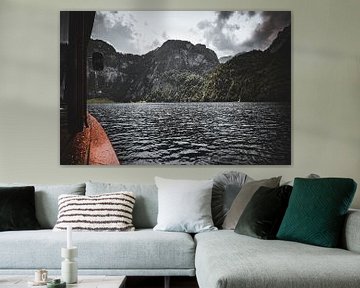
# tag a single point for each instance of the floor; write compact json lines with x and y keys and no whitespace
{"x":131,"y":282}
{"x":158,"y":282}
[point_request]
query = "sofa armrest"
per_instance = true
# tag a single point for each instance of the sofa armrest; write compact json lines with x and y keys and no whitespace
{"x":351,"y":234}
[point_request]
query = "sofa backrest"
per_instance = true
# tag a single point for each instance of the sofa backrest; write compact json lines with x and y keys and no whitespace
{"x":146,"y":203}
{"x":46,"y":200}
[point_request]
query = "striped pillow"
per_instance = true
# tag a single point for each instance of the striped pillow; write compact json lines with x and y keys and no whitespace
{"x":105,"y":212}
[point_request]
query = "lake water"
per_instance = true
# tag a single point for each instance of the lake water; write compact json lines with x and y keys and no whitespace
{"x":198,"y":133}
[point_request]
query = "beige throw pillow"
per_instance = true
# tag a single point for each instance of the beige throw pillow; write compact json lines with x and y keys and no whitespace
{"x":243,"y":198}
{"x":104,"y":212}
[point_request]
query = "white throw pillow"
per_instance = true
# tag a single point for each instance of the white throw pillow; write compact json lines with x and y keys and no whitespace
{"x":184,"y":205}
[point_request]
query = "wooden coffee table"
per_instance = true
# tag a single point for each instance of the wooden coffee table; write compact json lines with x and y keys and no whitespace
{"x":83,"y":282}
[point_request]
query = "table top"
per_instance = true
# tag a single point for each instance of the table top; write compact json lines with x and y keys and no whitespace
{"x":84,"y":281}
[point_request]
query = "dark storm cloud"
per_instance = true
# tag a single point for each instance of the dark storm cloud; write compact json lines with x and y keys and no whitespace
{"x":223,"y":42}
{"x":215,"y":32}
{"x":247,"y":13}
{"x":119,"y":34}
{"x":221,"y":32}
{"x":264,"y":34}
{"x":224,"y":15}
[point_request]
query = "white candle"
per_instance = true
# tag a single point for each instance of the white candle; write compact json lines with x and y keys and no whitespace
{"x":69,"y":239}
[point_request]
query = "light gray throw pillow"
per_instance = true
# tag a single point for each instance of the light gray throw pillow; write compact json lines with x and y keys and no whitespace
{"x":226,"y":187}
{"x":184,"y":205}
{"x":243,"y":198}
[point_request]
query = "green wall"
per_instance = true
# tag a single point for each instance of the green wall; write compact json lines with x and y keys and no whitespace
{"x":326,"y":91}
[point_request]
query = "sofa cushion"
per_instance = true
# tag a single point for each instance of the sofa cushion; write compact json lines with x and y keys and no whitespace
{"x":225,"y":259}
{"x":225,"y":189}
{"x":17,"y":208}
{"x":317,"y":209}
{"x":146,"y":205}
{"x":184,"y":205}
{"x":243,"y":198}
{"x":350,"y":239}
{"x":105,"y":212}
{"x":263,"y":215}
{"x":137,"y":250}
{"x":46,"y":200}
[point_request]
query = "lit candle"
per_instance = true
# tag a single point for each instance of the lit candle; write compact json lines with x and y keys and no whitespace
{"x":69,"y":239}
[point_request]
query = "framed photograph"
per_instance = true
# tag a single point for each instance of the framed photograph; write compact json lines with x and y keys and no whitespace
{"x":175,"y":87}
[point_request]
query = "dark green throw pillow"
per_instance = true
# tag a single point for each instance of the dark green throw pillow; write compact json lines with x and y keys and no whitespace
{"x":17,"y":208}
{"x":316,"y":211}
{"x":264,"y":213}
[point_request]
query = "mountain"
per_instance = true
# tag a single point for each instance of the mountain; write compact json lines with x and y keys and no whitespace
{"x":183,"y":56}
{"x":171,"y":72}
{"x":253,"y":76}
{"x":282,"y":41}
{"x":179,"y":71}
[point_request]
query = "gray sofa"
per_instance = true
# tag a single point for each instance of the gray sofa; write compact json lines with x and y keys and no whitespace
{"x":226,"y":259}
{"x":218,"y":259}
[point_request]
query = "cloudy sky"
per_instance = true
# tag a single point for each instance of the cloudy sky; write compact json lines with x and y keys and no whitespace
{"x":225,"y":32}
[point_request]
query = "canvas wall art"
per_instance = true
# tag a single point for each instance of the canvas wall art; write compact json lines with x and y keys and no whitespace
{"x":176,"y":87}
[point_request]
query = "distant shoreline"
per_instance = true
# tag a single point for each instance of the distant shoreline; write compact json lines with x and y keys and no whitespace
{"x":100,"y":101}
{"x":109,"y":101}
